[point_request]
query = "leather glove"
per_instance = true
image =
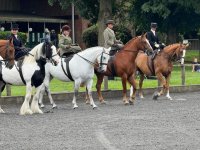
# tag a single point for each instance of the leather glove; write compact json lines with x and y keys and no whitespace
{"x":115,"y":45}
{"x":68,"y":46}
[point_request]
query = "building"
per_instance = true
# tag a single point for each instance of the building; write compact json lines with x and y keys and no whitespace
{"x":33,"y":16}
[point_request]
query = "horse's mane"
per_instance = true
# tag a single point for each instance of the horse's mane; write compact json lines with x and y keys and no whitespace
{"x":169,"y":47}
{"x":131,"y":40}
{"x":46,"y":49}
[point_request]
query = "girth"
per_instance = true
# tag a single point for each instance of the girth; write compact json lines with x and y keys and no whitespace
{"x":19,"y":69}
{"x":150,"y":64}
{"x":68,"y":74}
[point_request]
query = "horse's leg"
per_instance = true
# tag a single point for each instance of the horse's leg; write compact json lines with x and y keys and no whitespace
{"x":25,"y":108}
{"x":167,"y":87}
{"x":140,"y":85}
{"x":89,"y":88}
{"x":124,"y":80}
{"x":87,"y":100}
{"x":40,"y":101}
{"x":98,"y":87}
{"x":34,"y":105}
{"x":76,"y":89}
{"x":2,"y":86}
{"x":132,"y":81}
{"x":47,"y":90}
{"x":162,"y":80}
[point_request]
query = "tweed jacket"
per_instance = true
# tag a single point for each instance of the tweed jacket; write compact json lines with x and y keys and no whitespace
{"x":65,"y":45}
{"x":109,"y":37}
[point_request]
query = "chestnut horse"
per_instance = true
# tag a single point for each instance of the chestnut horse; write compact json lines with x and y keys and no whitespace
{"x":7,"y":52}
{"x":161,"y":66}
{"x":123,"y":65}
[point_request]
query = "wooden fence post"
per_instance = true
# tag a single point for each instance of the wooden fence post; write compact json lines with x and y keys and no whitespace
{"x":105,"y":82}
{"x":8,"y":90}
{"x":183,"y":74}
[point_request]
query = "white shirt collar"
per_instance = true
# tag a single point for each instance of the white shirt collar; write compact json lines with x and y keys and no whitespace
{"x":154,"y":32}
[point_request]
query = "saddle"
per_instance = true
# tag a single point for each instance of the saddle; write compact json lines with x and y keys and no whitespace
{"x":68,"y":73}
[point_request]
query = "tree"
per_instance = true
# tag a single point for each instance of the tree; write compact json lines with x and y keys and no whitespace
{"x":173,"y":16}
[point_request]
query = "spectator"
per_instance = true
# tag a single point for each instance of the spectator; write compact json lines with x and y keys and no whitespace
{"x":54,"y":38}
{"x":195,"y":66}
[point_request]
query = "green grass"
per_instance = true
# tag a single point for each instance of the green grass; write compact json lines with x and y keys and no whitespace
{"x":59,"y":86}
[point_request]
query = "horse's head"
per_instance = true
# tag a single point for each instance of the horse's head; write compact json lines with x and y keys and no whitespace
{"x":50,"y":53}
{"x":7,"y":52}
{"x":103,"y":58}
{"x":176,"y":51}
{"x":143,"y":43}
{"x":138,"y":43}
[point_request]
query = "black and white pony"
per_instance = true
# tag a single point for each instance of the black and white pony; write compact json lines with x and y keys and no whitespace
{"x":79,"y":69}
{"x":30,"y":73}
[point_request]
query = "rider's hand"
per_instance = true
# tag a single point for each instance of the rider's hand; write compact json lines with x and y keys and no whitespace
{"x":68,"y":46}
{"x":157,"y":45}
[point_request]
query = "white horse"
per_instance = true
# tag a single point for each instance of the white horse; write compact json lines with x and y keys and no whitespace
{"x":80,"y":70}
{"x":31,"y":73}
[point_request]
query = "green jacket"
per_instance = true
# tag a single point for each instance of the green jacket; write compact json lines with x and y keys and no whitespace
{"x":109,"y":37}
{"x":65,"y":45}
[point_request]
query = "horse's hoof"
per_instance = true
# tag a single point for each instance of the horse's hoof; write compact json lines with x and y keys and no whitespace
{"x":54,"y":106}
{"x":87,"y":102}
{"x":1,"y":111}
{"x":155,"y":96}
{"x":28,"y":112}
{"x":141,"y":97}
{"x":131,"y":102}
{"x":103,"y":102}
{"x":75,"y":107}
{"x":41,"y":105}
{"x":126,"y":103}
{"x":94,"y":107}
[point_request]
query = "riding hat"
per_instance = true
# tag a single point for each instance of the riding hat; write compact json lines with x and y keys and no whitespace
{"x":15,"y":27}
{"x":66,"y":28}
{"x":153,"y":25}
{"x":110,"y":22}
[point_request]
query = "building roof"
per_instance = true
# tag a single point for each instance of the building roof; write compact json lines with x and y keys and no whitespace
{"x":20,"y":17}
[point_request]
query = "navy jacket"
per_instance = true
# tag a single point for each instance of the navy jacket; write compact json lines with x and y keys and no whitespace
{"x":152,"y":39}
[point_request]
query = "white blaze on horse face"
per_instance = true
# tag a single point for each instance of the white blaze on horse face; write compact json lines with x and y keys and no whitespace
{"x":183,"y":56}
{"x":103,"y":58}
{"x":55,"y":55}
{"x":149,"y":44}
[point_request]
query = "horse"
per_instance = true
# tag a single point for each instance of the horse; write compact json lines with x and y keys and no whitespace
{"x":79,"y":69}
{"x":31,"y":73}
{"x":7,"y":52}
{"x":123,"y":65}
{"x":161,"y":66}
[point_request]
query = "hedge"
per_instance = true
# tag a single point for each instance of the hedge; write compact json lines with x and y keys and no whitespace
{"x":90,"y":35}
{"x":5,"y":34}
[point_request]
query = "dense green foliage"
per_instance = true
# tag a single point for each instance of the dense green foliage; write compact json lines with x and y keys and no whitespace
{"x":90,"y":36}
{"x":183,"y":15}
{"x":5,"y":34}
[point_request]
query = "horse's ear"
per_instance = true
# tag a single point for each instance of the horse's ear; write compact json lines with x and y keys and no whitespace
{"x":144,"y":34}
{"x":11,"y":40}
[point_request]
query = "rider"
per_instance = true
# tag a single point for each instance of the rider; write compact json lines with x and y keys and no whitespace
{"x":154,"y":40}
{"x":110,"y":39}
{"x":17,"y":42}
{"x":65,"y":43}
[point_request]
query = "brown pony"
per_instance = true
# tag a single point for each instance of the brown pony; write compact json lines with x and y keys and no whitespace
{"x":123,"y":65}
{"x":161,"y":66}
{"x":7,"y":52}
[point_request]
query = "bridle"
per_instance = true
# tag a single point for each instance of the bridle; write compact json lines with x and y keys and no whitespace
{"x":96,"y":63}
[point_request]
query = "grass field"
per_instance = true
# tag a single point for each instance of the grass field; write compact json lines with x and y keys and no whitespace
{"x":58,"y":86}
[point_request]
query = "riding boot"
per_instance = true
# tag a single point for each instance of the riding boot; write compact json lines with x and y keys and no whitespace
{"x":153,"y":55}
